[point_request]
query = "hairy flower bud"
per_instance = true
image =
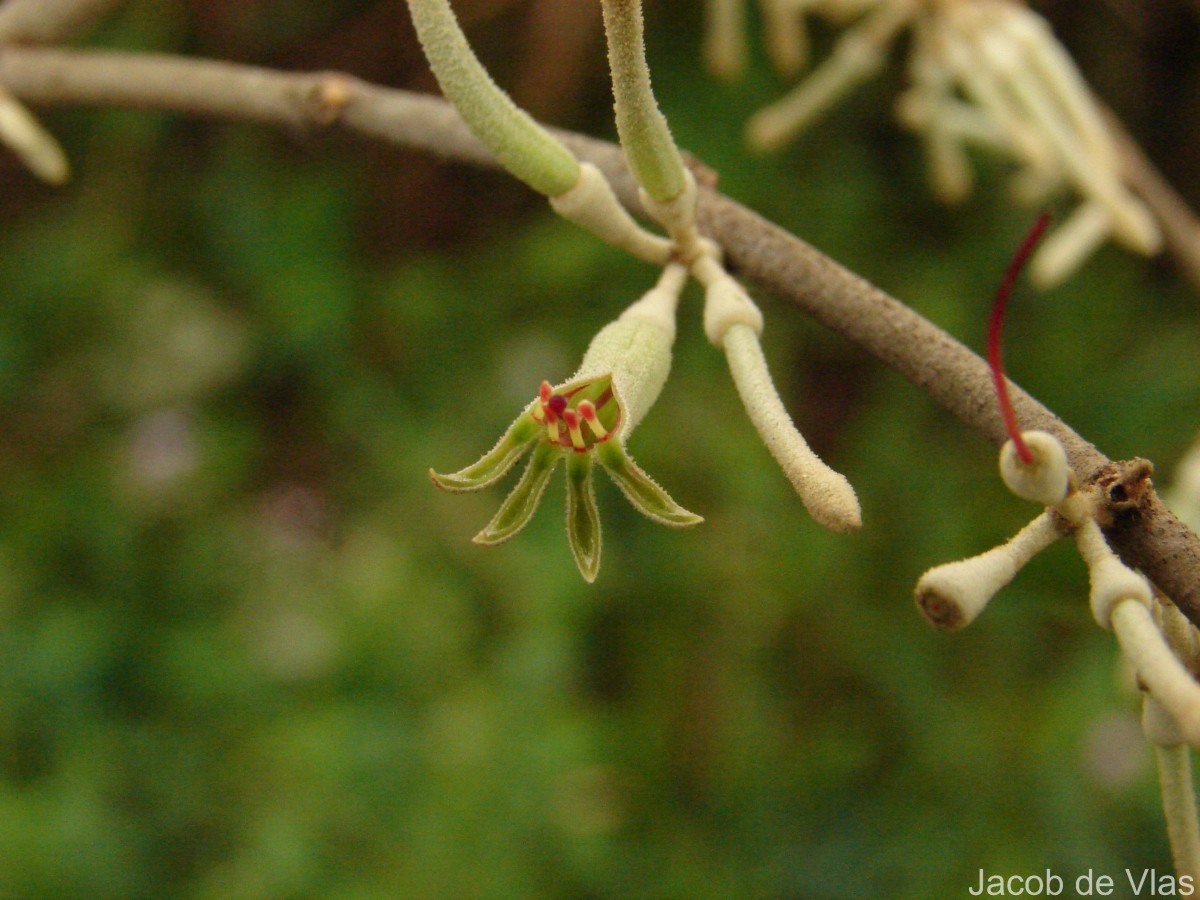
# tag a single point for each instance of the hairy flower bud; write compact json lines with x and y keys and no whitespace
{"x":950,"y":596}
{"x":1045,"y":480}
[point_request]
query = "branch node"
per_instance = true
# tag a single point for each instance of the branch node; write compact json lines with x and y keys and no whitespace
{"x":1123,"y":488}
{"x":327,"y":99}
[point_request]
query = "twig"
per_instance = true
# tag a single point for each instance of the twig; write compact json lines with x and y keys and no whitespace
{"x":46,"y":21}
{"x":1148,"y":536}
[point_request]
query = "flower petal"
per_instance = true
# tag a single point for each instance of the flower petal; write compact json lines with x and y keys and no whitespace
{"x":642,"y":491}
{"x":583,"y":519}
{"x":492,"y":466}
{"x":520,"y":505}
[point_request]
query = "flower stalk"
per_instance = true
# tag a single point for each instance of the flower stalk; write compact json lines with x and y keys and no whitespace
{"x":592,"y":204}
{"x":667,"y":188}
{"x":521,"y":145}
{"x":1173,"y":756}
{"x":641,"y":126}
{"x":577,"y":191}
{"x":1121,"y":602}
{"x":1174,"y":764}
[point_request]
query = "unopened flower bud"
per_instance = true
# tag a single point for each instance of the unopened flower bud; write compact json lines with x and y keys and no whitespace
{"x":950,"y":596}
{"x":1045,"y":480}
{"x":825,"y":493}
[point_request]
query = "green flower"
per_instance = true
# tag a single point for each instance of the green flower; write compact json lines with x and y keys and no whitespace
{"x":585,"y":420}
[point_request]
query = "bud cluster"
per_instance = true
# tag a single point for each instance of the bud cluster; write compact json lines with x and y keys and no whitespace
{"x":986,"y":74}
{"x":1159,"y":645}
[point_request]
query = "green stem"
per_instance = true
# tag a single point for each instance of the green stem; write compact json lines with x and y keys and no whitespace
{"x":643,"y":129}
{"x":520,"y":144}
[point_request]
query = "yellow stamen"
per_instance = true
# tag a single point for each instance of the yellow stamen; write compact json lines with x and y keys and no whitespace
{"x":572,"y":420}
{"x":587,"y":409}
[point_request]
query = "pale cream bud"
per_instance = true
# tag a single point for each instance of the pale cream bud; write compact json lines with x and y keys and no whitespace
{"x":825,"y":493}
{"x":950,"y":596}
{"x":1047,"y":479}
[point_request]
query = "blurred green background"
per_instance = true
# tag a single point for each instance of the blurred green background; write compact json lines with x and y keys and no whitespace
{"x":248,"y":651}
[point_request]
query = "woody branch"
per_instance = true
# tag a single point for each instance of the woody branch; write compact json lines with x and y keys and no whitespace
{"x":1148,"y":536}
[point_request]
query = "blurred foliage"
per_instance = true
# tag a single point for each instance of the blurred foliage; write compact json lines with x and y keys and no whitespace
{"x":248,"y":651}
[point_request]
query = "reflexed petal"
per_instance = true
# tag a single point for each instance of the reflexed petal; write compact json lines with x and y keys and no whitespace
{"x":495,"y":462}
{"x":646,"y":496}
{"x":583,"y":519}
{"x":519,"y":506}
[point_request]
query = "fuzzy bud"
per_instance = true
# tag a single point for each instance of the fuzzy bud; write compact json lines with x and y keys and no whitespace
{"x":950,"y":596}
{"x":1046,"y":480}
{"x":826,"y":494}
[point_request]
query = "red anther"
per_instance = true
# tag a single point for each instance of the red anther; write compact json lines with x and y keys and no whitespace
{"x":545,"y":396}
{"x":557,"y":404}
{"x":995,"y":339}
